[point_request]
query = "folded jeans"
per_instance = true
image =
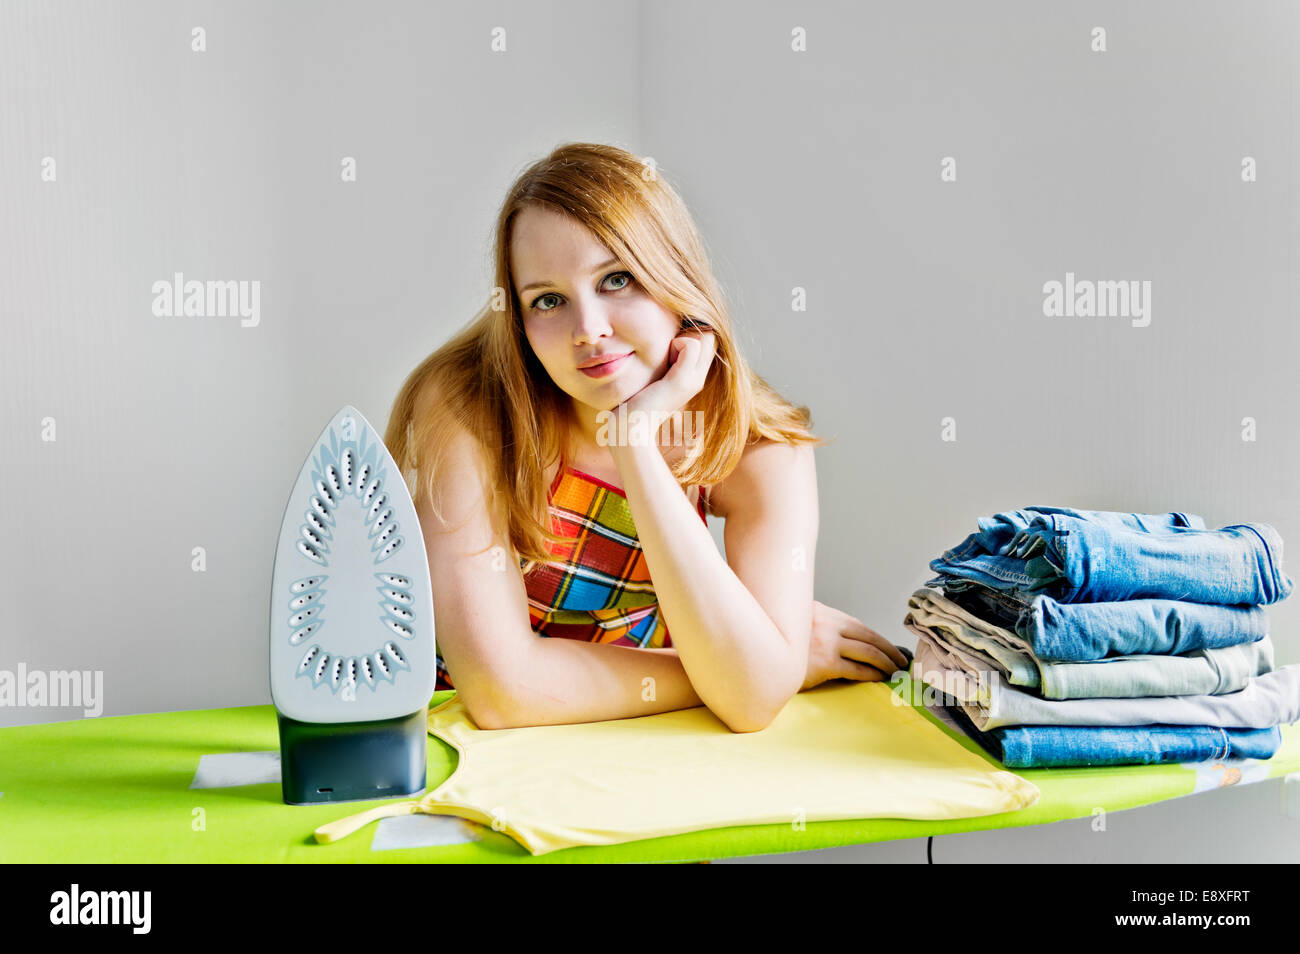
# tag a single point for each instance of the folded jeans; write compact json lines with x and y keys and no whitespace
{"x":974,"y":644}
{"x":991,"y":703}
{"x":1083,"y":631}
{"x":1079,"y":556}
{"x":1066,"y":746}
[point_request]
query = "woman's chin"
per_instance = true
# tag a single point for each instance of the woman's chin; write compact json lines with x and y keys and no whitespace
{"x":607,"y":402}
{"x":610,"y":396}
{"x":612,"y":405}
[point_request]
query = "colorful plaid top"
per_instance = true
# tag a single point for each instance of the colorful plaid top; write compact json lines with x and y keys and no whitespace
{"x":599,"y":590}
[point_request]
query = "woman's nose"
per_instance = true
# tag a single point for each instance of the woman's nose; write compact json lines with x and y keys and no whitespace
{"x":590,"y":322}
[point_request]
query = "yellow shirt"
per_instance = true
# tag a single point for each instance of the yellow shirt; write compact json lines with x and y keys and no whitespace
{"x":840,"y":751}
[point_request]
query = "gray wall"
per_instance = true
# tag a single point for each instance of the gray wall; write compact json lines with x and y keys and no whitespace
{"x":175,"y":433}
{"x":817,"y":169}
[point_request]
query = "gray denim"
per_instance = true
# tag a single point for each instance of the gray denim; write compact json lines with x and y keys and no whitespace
{"x":1268,"y":700}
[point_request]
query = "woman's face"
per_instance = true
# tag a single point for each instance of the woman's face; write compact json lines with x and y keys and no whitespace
{"x":579,"y":304}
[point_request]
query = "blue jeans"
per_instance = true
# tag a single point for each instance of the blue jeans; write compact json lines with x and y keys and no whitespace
{"x":1078,"y":632}
{"x":1065,"y":746}
{"x":1098,"y":556}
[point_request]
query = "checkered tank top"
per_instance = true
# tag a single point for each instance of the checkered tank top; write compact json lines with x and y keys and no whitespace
{"x":599,"y":589}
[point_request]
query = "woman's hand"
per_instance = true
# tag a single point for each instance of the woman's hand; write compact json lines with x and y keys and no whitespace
{"x":689,"y":357}
{"x":842,"y":647}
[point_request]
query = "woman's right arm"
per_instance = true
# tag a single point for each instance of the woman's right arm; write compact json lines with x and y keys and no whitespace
{"x":505,"y":674}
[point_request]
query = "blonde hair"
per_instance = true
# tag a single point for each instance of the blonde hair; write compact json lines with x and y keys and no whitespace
{"x":490,"y":383}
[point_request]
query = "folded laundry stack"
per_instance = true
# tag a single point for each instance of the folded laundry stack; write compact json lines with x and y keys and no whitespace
{"x":1064,"y":637}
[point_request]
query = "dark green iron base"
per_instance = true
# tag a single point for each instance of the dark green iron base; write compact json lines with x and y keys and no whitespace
{"x":353,"y":761}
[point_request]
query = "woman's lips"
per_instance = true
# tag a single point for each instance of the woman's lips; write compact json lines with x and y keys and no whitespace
{"x":606,"y":369}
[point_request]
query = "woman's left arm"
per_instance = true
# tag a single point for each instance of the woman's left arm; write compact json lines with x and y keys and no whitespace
{"x":741,"y":625}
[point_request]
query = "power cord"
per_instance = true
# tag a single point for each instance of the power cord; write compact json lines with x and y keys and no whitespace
{"x":929,"y":849}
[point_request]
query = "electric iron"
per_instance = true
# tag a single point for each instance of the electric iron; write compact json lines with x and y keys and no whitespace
{"x":353,"y":661}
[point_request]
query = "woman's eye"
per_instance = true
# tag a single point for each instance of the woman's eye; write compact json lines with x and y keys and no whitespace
{"x":627,"y":280}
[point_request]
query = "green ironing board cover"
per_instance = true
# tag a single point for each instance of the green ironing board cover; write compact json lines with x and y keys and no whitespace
{"x":117,"y":789}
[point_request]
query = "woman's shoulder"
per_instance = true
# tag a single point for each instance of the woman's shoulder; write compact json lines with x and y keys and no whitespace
{"x":761,"y":462}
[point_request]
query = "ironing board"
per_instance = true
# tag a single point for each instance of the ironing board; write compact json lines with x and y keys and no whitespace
{"x":118,"y":789}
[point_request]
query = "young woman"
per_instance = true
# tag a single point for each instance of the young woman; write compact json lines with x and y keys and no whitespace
{"x":544,"y":516}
